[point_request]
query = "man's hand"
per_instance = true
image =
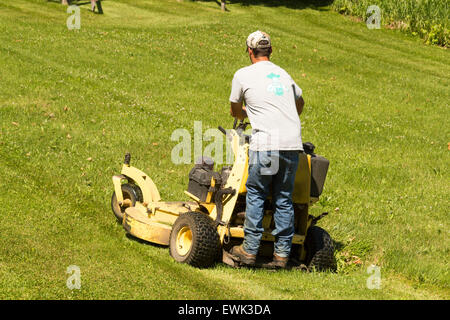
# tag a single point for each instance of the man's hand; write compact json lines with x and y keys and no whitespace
{"x":299,"y":103}
{"x":238,"y":110}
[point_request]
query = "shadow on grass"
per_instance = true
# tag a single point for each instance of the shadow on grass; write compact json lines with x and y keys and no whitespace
{"x":98,"y":6}
{"x":338,"y":246}
{"x":293,"y":4}
{"x":77,"y":2}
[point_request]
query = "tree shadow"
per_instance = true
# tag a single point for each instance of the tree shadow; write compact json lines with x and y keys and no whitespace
{"x":293,"y":4}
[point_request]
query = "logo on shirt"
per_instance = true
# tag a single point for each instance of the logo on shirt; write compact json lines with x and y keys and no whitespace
{"x":276,"y":87}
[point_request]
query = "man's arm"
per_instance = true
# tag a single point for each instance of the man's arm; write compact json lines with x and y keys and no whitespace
{"x":238,"y":111}
{"x":237,"y":99}
{"x":299,"y":103}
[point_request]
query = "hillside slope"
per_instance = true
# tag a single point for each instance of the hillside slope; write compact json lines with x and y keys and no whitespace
{"x":73,"y":102}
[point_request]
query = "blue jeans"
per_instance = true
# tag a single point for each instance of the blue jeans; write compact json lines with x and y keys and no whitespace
{"x":270,"y":171}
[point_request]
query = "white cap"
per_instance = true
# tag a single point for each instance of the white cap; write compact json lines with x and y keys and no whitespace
{"x":258,"y":40}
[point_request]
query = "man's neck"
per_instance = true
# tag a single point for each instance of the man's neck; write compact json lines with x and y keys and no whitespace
{"x":260,"y":59}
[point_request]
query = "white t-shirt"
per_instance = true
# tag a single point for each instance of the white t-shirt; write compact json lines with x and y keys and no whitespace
{"x":268,"y":91}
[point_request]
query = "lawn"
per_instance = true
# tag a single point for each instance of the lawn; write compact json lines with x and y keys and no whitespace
{"x":73,"y":102}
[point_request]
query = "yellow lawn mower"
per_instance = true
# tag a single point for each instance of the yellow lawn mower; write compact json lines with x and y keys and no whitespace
{"x":201,"y":232}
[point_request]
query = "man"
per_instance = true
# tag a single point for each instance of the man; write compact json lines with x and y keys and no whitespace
{"x":273,"y":105}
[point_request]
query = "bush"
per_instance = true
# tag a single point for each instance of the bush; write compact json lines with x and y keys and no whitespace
{"x":425,"y":18}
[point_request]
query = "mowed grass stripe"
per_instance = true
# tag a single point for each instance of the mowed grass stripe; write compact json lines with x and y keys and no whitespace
{"x":58,"y":232}
{"x":364,"y":44}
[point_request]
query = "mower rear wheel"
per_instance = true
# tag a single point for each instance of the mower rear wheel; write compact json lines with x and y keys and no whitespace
{"x":131,"y":194}
{"x":194,"y":240}
{"x":319,"y":250}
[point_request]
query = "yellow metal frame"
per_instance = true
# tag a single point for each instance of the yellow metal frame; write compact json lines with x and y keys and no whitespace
{"x":183,"y":241}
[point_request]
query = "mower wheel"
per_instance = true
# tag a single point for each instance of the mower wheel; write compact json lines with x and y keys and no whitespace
{"x":131,"y":194}
{"x":319,"y":250}
{"x":194,"y":240}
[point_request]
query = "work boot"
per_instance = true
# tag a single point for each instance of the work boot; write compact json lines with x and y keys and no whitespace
{"x":277,"y":262}
{"x":244,"y":257}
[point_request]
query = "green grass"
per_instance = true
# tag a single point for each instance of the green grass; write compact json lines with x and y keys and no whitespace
{"x":426,"y":18}
{"x":377,"y":104}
